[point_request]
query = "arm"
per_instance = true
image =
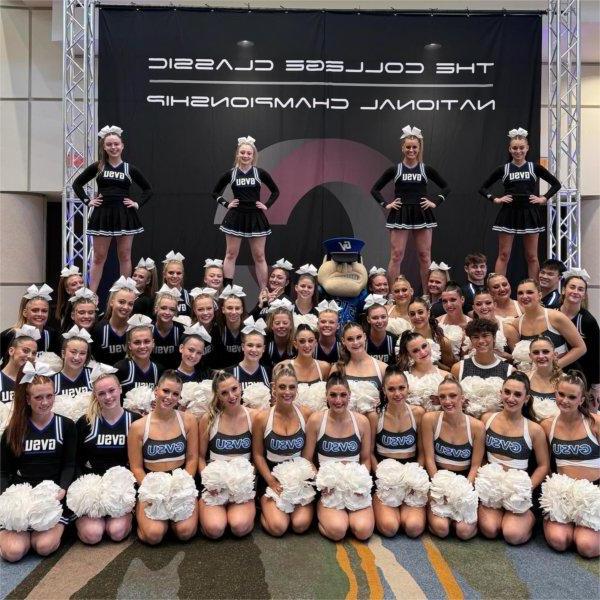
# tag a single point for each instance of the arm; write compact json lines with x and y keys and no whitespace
{"x":544,"y":174}
{"x":387,"y":176}
{"x":310,"y":445}
{"x":565,"y":327}
{"x":427,"y":424}
{"x":447,"y":359}
{"x":478,"y":431}
{"x":542,"y":456}
{"x":365,"y":438}
{"x":511,"y":335}
{"x":440,"y":182}
{"x":487,"y":184}
{"x":591,"y":333}
{"x":268,"y":181}
{"x":84,"y":177}
{"x":142,"y":183}
{"x":218,"y":189}
{"x":7,"y":463}
{"x":203,"y":439}
{"x":455,"y":370}
{"x":134,"y":449}
{"x":191,"y":453}
{"x":258,"y":451}
{"x":418,"y":414}
{"x":82,"y":432}
{"x":67,"y":471}
{"x":373,"y":417}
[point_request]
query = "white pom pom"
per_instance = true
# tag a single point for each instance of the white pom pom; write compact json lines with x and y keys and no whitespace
{"x":397,"y":326}
{"x":521,"y":356}
{"x":185,"y":320}
{"x":330,"y":481}
{"x":312,"y":396}
{"x":311,"y":320}
{"x":154,"y":491}
{"x":453,"y":497}
{"x":455,"y":335}
{"x":257,"y":395}
{"x":421,"y":390}
{"x":483,"y":394}
{"x":14,"y":507}
{"x":214,"y":481}
{"x":52,"y":360}
{"x":488,"y":485}
{"x":5,"y":412}
{"x":295,"y":477}
{"x":364,"y":396}
{"x":118,"y":492}
{"x":72,"y":407}
{"x":357,"y":486}
{"x":390,"y":483}
{"x":45,"y":509}
{"x":240,"y":480}
{"x":196,"y":397}
{"x":586,"y":500}
{"x":417,"y":485}
{"x":556,"y":500}
{"x":516,"y":491}
{"x":544,"y":408}
{"x":139,"y":399}
{"x":84,"y":496}
{"x":182,"y":496}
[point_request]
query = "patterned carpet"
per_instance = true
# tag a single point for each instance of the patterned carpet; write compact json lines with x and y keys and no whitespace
{"x":305,"y":566}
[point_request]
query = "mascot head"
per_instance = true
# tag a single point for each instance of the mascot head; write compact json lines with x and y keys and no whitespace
{"x":342,"y":272}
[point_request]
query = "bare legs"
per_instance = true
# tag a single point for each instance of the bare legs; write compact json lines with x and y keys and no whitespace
{"x":257,"y":248}
{"x":530,"y":246}
{"x":398,"y":241}
{"x":101,"y":245}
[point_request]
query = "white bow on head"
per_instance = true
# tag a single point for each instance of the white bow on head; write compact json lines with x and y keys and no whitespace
{"x":246,"y":140}
{"x":324,"y":305}
{"x":84,"y":293}
{"x":252,"y":326}
{"x":197,"y":329}
{"x":307,"y":270}
{"x":76,"y":332}
{"x":165,"y":290}
{"x":439,"y":267}
{"x":173,"y":256}
{"x":373,"y":299}
{"x":101,"y":369}
{"x":577,"y":272}
{"x":28,"y":331}
{"x":197,"y":291}
{"x":213,"y":262}
{"x":284,"y":264}
{"x":408,"y":131}
{"x":30,"y":370}
{"x":232,"y":290}
{"x":146,"y":263}
{"x":68,"y":271}
{"x":110,"y":129}
{"x":280,"y":303}
{"x":124,"y":283}
{"x":517,"y":132}
{"x":42,"y":292}
{"x":377,"y":271}
{"x":138,"y":321}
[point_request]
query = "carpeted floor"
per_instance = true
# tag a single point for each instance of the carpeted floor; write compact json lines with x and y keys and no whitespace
{"x":304,"y":566}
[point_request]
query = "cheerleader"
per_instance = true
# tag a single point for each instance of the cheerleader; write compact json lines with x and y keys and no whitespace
{"x":511,"y":440}
{"x":500,"y":290}
{"x":113,"y":212}
{"x":136,"y":369}
{"x":213,"y":274}
{"x":437,"y":280}
{"x":145,"y":279}
{"x":245,"y":216}
{"x":225,"y":433}
{"x":338,"y":434}
{"x":110,"y":334}
{"x":380,"y":344}
{"x":195,"y":340}
{"x":228,"y":341}
{"x":36,"y":445}
{"x":22,"y":349}
{"x":453,"y":302}
{"x":34,"y":310}
{"x":476,"y":271}
{"x":550,"y":275}
{"x":411,"y":209}
{"x":173,"y":436}
{"x":521,"y":212}
{"x":166,"y":333}
{"x":204,"y":314}
{"x":278,"y":435}
{"x":402,"y":295}
{"x":543,"y":377}
{"x":277,"y":287}
{"x":84,"y":308}
{"x":537,"y":320}
{"x":327,"y":349}
{"x":306,"y":291}
{"x":249,"y":370}
{"x":70,"y":281}
{"x":280,"y":336}
{"x":102,"y":444}
{"x":574,"y":437}
{"x":173,"y":277}
{"x":573,"y":305}
{"x":394,"y":434}
{"x":308,"y":369}
{"x":378,"y":282}
{"x":452,"y":441}
{"x":74,"y":377}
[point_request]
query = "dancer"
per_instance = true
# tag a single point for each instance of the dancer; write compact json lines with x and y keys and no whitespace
{"x":167,"y":334}
{"x":204,"y":310}
{"x":227,"y":342}
{"x":476,"y":270}
{"x":306,"y":294}
{"x":378,"y":282}
{"x":146,"y":279}
{"x":74,"y":377}
{"x":70,"y":281}
{"x":499,"y":287}
{"x":543,"y":377}
{"x":402,"y":295}
{"x":280,"y":335}
{"x":437,"y":280}
{"x":277,"y":288}
{"x":84,"y":308}
{"x":173,"y":277}
{"x":22,"y":349}
{"x":328,"y":345}
{"x":307,"y":368}
{"x":380,"y":344}
{"x":551,"y":273}
{"x":192,"y":366}
{"x":249,"y":370}
{"x":213,"y":274}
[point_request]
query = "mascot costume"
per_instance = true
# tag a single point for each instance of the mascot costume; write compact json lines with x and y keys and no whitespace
{"x":343,"y":277}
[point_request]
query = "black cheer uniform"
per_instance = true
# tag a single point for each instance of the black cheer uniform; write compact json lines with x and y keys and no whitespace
{"x":520,"y":217}
{"x":7,"y":388}
{"x":109,"y":346}
{"x":590,"y":332}
{"x":112,"y":217}
{"x":246,"y":220}
{"x":49,"y":342}
{"x":386,"y":351}
{"x":130,"y":375}
{"x":72,"y":387}
{"x":166,"y":349}
{"x":410,"y":185}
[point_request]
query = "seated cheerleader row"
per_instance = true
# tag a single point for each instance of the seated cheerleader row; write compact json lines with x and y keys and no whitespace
{"x":91,"y":466}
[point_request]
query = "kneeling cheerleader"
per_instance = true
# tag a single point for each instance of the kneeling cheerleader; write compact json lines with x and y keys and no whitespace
{"x":402,"y":482}
{"x":453,"y":446}
{"x":503,"y":485}
{"x":341,"y":440}
{"x":163,"y":456}
{"x":571,"y":497}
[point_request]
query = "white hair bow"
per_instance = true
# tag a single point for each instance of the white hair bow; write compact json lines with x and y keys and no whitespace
{"x":286,"y":265}
{"x":246,"y":140}
{"x":324,"y":305}
{"x":76,"y":332}
{"x":108,"y":129}
{"x":307,"y":270}
{"x":42,"y":292}
{"x":373,"y":299}
{"x":232,"y":290}
{"x":68,"y":271}
{"x":30,"y":370}
{"x":169,"y":291}
{"x":146,"y":263}
{"x":101,"y":369}
{"x":409,"y":131}
{"x":84,"y":293}
{"x":280,"y":303}
{"x":174,"y":256}
{"x":441,"y":267}
{"x":577,"y":272}
{"x":28,"y":331}
{"x":252,"y":326}
{"x":197,"y":291}
{"x":138,"y":321}
{"x":517,"y":132}
{"x":197,"y":329}
{"x":377,"y":271}
{"x":213,"y":262}
{"x":124,"y":283}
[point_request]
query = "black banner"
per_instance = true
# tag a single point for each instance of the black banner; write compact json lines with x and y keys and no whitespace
{"x":326,"y":95}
